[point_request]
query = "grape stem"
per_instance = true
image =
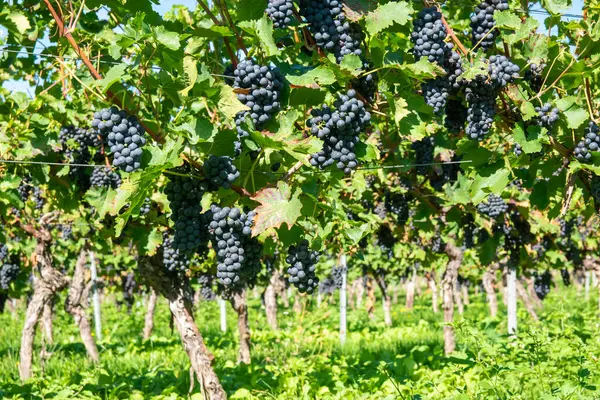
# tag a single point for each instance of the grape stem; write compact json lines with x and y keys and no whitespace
{"x":234,"y":59}
{"x":450,"y":32}
{"x":90,"y":66}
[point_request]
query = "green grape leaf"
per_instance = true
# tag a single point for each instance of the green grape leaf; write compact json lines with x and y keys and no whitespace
{"x":530,"y":143}
{"x":386,"y":15}
{"x":263,"y":29}
{"x":277,"y":206}
{"x":115,"y":74}
{"x":313,"y":78}
{"x":167,"y":38}
{"x":229,"y":104}
{"x":576,"y":116}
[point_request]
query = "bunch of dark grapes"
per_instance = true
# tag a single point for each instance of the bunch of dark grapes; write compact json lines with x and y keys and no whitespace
{"x":220,"y":171}
{"x":206,"y":287}
{"x":435,"y":93}
{"x":124,"y":135}
{"x":449,"y":173}
{"x":480,"y":114}
{"x":453,"y":67}
{"x":330,"y":28}
{"x":424,"y":152}
{"x":386,"y":240}
{"x":337,"y":274}
{"x":428,"y":36}
{"x":595,"y":188}
{"x":566,"y":277}
{"x":366,"y":84}
{"x":3,"y":252}
{"x":397,"y":203}
{"x":339,"y":128}
{"x":493,"y":207}
{"x":437,"y":244}
{"x":456,"y":116}
{"x":517,"y":149}
{"x":104,"y":177}
{"x":174,"y":259}
{"x":76,"y":172}
{"x":302,"y":261}
{"x":238,"y":253}
{"x":146,"y":206}
{"x":280,"y":12}
{"x":541,"y":284}
{"x":547,"y":116}
{"x":534,"y":75}
{"x":8,"y":272}
{"x":83,"y":137}
{"x":542,"y":247}
{"x":483,"y":33}
{"x":502,"y":71}
{"x":38,"y":199}
{"x":66,"y":232}
{"x":327,"y":286}
{"x":469,"y":231}
{"x":128,"y":285}
{"x":25,"y":188}
{"x":185,"y":194}
{"x":263,"y":85}
{"x":591,"y":142}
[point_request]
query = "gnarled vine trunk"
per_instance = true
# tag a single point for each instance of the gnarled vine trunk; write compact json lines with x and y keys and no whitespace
{"x":47,"y":323}
{"x":240,"y":305}
{"x":387,"y":299}
{"x":448,"y":282}
{"x":434,"y":291}
{"x":458,"y":298}
{"x":153,"y":272}
{"x":464,"y":291}
{"x":528,"y":284}
{"x":49,"y":281}
{"x":149,"y":318}
{"x":526,"y":300}
{"x":271,"y":300}
{"x":489,"y":277}
{"x":410,"y":291}
{"x":74,"y":306}
{"x":370,"y":303}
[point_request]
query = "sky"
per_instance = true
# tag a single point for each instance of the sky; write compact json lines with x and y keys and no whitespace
{"x":166,"y":5}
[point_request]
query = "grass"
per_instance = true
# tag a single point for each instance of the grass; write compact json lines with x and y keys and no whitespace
{"x":556,"y":358}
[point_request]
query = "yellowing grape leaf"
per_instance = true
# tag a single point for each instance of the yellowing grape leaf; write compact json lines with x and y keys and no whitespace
{"x":277,"y":206}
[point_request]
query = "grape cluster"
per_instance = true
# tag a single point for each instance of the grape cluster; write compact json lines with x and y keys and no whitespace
{"x":66,"y":232}
{"x":339,"y":128}
{"x":8,"y":272}
{"x":483,"y":33}
{"x":238,"y":253}
{"x":185,"y":194}
{"x":337,"y":274}
{"x":541,"y":284}
{"x":453,"y":67}
{"x":534,"y":75}
{"x":424,"y":152}
{"x":449,"y":174}
{"x":386,"y":239}
{"x":302,"y":261}
{"x":38,"y":199}
{"x":220,"y":171}
{"x":428,"y":36}
{"x":435,"y":93}
{"x":366,"y":84}
{"x":330,"y":28}
{"x":327,"y":286}
{"x":437,"y":244}
{"x":263,"y":85}
{"x":280,"y":12}
{"x":78,"y":173}
{"x":542,"y":247}
{"x":547,"y":116}
{"x":104,"y":177}
{"x":469,"y":231}
{"x":25,"y":188}
{"x":481,"y":110}
{"x":3,"y":252}
{"x":595,"y":188}
{"x":124,"y":135}
{"x":493,"y":207}
{"x":456,"y":116}
{"x":591,"y":142}
{"x":397,"y":203}
{"x":502,"y":71}
{"x":128,"y":285}
{"x":517,"y":149}
{"x":83,"y":137}
{"x":146,"y":206}
{"x":566,"y":277}
{"x":174,"y":259}
{"x":206,"y":287}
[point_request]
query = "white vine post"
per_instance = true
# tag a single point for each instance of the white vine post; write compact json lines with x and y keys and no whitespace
{"x":511,"y":283}
{"x":343,"y":299}
{"x":588,"y":281}
{"x":223,"y":310}
{"x":95,"y":297}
